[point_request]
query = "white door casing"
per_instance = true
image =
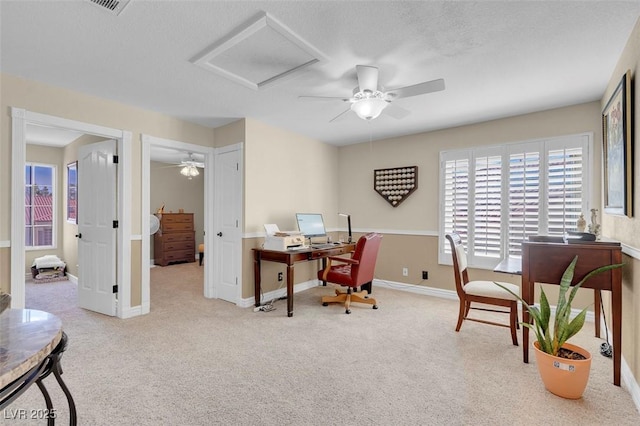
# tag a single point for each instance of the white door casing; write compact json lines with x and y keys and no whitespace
{"x":228,"y":223}
{"x":96,"y":231}
{"x":19,"y":119}
{"x":148,"y":142}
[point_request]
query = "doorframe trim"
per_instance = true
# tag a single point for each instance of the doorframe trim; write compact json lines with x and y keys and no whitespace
{"x":145,"y":277}
{"x":19,"y":119}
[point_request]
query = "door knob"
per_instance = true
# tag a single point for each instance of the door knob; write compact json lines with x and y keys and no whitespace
{"x":79,"y":235}
{"x":219,"y":234}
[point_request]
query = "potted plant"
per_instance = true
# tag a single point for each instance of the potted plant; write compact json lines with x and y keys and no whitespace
{"x":564,"y":368}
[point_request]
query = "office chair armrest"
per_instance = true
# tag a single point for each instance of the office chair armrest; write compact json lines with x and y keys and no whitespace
{"x":343,"y":260}
{"x":331,"y":259}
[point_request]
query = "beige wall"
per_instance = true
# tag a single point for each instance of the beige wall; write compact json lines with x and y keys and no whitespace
{"x":285,"y":173}
{"x":46,"y":99}
{"x":624,"y":229}
{"x":174,"y":191}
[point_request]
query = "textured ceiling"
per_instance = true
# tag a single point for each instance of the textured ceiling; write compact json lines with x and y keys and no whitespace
{"x":498,"y":58}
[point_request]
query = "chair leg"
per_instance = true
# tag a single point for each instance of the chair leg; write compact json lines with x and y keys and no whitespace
{"x":462,"y":313}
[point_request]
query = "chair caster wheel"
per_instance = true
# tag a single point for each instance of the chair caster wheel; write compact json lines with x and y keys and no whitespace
{"x":348,"y":311}
{"x":375,"y":306}
{"x":325,"y":304}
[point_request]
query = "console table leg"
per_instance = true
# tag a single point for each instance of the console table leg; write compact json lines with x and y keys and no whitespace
{"x":47,"y":400}
{"x":57,"y":371}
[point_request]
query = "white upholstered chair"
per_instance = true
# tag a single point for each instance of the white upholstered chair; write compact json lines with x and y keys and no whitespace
{"x":484,"y":292}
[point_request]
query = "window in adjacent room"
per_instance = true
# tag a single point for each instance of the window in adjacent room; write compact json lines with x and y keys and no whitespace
{"x":495,"y":197}
{"x":39,"y":206}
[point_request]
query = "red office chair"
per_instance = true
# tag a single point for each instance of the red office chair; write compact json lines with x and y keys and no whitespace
{"x":353,"y":272}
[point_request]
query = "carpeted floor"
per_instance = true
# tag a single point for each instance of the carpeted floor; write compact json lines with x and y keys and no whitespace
{"x":195,"y":361}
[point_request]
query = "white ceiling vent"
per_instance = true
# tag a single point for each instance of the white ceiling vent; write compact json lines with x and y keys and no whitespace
{"x":113,"y":6}
{"x":259,"y":54}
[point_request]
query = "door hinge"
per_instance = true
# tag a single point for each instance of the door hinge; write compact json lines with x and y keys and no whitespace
{"x":237,"y":167}
{"x":115,"y":159}
{"x":115,"y":224}
{"x":115,"y":288}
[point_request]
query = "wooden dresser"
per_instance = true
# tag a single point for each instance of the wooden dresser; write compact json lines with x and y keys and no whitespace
{"x":175,"y":241}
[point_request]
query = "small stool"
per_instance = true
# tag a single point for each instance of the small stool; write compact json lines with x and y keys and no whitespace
{"x":201,"y":253}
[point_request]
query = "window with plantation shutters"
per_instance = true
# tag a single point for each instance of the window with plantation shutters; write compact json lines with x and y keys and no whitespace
{"x":496,"y":197}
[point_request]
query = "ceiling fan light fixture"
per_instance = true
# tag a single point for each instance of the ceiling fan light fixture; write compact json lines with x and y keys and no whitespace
{"x":369,"y":108}
{"x":189,"y":171}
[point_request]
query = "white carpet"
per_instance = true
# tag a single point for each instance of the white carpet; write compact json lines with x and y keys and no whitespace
{"x":195,"y":361}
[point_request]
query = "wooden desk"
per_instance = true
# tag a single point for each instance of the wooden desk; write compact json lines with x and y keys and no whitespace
{"x":546,"y":262}
{"x":290,"y":257}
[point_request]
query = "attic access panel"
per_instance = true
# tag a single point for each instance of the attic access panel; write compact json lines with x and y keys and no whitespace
{"x":395,"y":185}
{"x":259,"y":54}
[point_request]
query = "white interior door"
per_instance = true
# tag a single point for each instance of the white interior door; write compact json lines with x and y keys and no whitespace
{"x":228,"y":202}
{"x":96,"y":231}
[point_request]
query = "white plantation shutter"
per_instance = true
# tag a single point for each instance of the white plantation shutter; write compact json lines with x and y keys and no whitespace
{"x":524,"y":199}
{"x":455,"y":175}
{"x":488,"y":206}
{"x":496,"y":197}
{"x":564,"y":194}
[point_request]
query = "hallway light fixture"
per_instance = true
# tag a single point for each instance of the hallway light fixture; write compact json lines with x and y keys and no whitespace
{"x":189,"y":170}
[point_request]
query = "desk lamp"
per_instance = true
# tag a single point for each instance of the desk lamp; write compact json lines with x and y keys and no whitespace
{"x":348,"y":224}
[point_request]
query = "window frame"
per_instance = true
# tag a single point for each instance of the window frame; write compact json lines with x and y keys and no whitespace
{"x":54,"y":202}
{"x":545,"y":145}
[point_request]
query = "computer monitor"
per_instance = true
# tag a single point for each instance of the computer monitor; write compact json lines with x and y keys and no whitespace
{"x":311,"y":224}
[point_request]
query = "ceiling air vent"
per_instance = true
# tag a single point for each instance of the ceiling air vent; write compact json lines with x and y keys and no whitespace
{"x":113,"y":6}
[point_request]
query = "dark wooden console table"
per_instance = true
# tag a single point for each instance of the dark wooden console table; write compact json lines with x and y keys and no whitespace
{"x":290,"y":257}
{"x":544,"y":262}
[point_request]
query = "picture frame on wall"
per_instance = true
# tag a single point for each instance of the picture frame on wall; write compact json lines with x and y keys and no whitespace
{"x":617,"y":150}
{"x":72,"y":192}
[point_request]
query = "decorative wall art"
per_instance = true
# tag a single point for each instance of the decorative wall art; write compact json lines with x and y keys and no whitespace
{"x":395,"y":185}
{"x":617,"y":153}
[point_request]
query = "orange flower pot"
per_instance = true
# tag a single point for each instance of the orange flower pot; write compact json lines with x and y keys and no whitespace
{"x":564,"y":377}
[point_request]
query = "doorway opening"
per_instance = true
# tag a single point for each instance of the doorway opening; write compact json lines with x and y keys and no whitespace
{"x":20,"y":120}
{"x":183,"y":193}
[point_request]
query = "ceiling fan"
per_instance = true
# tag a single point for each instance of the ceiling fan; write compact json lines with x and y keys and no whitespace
{"x":189,"y":166}
{"x":369,"y":99}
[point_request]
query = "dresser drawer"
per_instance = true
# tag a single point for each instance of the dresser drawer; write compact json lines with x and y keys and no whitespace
{"x":177,"y":226}
{"x":178,"y":236}
{"x":177,"y":218}
{"x":172,"y":256}
{"x":178,"y":245}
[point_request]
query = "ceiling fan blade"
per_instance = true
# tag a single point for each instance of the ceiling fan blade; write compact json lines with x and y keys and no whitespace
{"x":417,"y":89}
{"x":396,"y":111}
{"x":340,"y":116}
{"x":367,"y":78}
{"x":322,"y":98}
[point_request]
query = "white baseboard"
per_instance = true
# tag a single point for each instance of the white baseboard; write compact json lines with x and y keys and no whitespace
{"x":276,"y":294}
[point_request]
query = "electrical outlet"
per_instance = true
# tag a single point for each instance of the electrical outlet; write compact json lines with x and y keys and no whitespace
{"x":280,"y":277}
{"x":405,"y":272}
{"x":425,"y":275}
